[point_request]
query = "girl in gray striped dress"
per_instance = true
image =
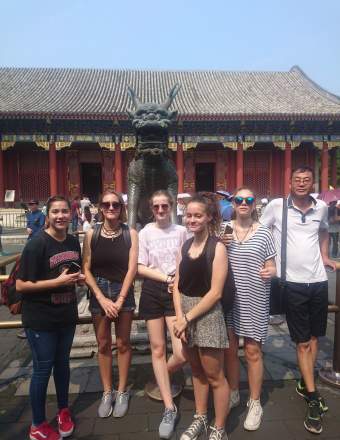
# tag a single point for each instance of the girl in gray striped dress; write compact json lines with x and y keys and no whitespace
{"x":251,"y":251}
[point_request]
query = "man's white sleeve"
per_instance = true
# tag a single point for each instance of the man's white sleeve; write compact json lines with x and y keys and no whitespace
{"x":268,"y":217}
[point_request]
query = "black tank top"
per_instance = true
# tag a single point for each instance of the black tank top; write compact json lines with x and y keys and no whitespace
{"x":110,"y":258}
{"x":193,"y":279}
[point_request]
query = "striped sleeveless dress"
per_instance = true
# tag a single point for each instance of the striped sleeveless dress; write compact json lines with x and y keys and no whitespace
{"x":250,"y":314}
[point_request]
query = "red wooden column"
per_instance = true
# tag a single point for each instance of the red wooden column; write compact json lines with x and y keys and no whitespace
{"x":118,"y":168}
{"x":52,"y":156}
{"x":324,"y":166}
{"x":2,"y":178}
{"x":180,"y":166}
{"x":288,"y":168}
{"x":333,"y":168}
{"x":239,"y":165}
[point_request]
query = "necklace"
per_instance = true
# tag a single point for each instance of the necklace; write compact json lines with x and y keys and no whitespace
{"x":111,"y":233}
{"x":245,"y":235}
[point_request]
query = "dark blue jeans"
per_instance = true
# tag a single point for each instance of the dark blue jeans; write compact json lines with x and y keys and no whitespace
{"x":50,"y":349}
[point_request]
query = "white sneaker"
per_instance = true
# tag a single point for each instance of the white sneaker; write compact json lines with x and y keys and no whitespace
{"x":234,"y":399}
{"x":254,"y":416}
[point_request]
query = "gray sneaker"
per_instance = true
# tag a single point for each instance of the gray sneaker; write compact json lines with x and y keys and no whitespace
{"x":198,"y":425}
{"x":105,"y":407}
{"x":167,"y":426}
{"x":122,"y":404}
{"x":234,"y":399}
{"x":217,"y":434}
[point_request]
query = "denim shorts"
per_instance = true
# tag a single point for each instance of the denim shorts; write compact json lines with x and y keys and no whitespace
{"x":111,"y":290}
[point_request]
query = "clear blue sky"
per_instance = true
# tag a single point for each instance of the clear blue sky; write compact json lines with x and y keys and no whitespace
{"x":177,"y":34}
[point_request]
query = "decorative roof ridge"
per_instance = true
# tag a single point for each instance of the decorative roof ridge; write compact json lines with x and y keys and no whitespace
{"x":147,"y":70}
{"x":322,"y":91}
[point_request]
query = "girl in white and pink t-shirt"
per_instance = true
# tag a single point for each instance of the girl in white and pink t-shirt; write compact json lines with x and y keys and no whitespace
{"x":159,"y":245}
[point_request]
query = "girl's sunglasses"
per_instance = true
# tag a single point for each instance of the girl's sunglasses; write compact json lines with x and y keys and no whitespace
{"x":164,"y":206}
{"x":108,"y":205}
{"x":239,"y":200}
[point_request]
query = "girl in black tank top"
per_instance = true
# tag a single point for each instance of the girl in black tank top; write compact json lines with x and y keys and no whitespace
{"x":110,"y":265}
{"x":199,"y":316}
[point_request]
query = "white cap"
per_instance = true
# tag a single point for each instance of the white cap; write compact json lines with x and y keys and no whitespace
{"x":264,"y":201}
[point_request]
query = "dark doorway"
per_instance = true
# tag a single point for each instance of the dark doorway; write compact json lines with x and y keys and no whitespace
{"x":205,"y":177}
{"x":91,"y":179}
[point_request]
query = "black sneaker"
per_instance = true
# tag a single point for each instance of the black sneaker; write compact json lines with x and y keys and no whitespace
{"x":302,"y":391}
{"x":322,"y":405}
{"x":313,"y":421}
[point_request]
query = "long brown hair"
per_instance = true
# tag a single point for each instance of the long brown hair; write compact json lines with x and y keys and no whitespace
{"x":122,"y":215}
{"x":209,"y":201}
{"x":254,"y":214}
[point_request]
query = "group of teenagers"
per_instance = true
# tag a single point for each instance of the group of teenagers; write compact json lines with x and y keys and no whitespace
{"x":178,"y":295}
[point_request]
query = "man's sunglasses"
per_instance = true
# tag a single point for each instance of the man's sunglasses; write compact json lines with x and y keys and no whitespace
{"x":108,"y":205}
{"x":239,"y":200}
{"x":164,"y":206}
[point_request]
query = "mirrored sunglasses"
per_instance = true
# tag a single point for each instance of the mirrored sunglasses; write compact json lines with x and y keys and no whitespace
{"x":248,"y":200}
{"x":108,"y":205}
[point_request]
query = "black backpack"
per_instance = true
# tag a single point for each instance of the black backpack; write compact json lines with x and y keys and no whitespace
{"x":96,"y":234}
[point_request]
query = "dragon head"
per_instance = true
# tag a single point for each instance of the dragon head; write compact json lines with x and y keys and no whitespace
{"x":151,"y":117}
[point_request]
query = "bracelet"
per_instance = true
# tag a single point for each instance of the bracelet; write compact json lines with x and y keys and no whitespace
{"x":186,"y":318}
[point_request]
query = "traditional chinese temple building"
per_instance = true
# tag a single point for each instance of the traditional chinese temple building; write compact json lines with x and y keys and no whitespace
{"x":66,"y":130}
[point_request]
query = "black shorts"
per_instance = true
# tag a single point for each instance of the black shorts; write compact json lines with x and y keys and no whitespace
{"x":155,"y":301}
{"x":306,"y":310}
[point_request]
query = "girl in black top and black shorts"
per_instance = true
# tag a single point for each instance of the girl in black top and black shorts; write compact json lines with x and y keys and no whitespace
{"x":49,"y":270}
{"x":110,"y":265}
{"x":199,"y":315}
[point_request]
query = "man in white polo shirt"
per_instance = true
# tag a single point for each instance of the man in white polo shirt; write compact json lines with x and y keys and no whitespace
{"x":307,"y":284}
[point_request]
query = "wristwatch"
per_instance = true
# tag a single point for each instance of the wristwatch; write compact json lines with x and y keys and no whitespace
{"x":169,"y":279}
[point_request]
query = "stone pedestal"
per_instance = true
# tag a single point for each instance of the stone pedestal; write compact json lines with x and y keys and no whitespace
{"x":85,"y":344}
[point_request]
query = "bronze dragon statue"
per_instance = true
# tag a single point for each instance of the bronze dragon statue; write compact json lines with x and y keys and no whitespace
{"x":151,"y":169}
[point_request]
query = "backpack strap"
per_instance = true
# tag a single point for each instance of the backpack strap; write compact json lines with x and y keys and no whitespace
{"x":186,"y":246}
{"x":284,"y":239}
{"x":210,"y":255}
{"x":126,"y":235}
{"x":95,"y":235}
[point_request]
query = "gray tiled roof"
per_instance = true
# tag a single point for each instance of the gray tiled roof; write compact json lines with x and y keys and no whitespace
{"x":100,"y":93}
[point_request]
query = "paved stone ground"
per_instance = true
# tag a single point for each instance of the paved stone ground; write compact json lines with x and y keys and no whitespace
{"x":283,"y":415}
{"x":283,"y":409}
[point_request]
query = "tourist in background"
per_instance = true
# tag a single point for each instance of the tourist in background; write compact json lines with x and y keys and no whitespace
{"x":49,"y":271}
{"x":35,"y":219}
{"x":199,"y":315}
{"x":110,"y":265}
{"x":159,"y":246}
{"x":334,"y":226}
{"x":76,"y":214}
{"x":87,"y":224}
{"x":225,"y":204}
{"x":251,"y":251}
{"x":85,"y":201}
